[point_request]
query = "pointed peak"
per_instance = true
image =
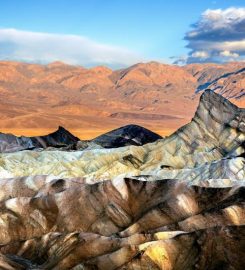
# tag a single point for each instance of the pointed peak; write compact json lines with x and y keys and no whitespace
{"x":213,"y":99}
{"x":214,"y":108}
{"x":60,"y":128}
{"x":63,"y":130}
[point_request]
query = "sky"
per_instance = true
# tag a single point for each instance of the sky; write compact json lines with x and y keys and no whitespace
{"x":121,"y":33}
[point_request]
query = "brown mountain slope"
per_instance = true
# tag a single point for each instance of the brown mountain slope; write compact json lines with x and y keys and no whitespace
{"x":35,"y":99}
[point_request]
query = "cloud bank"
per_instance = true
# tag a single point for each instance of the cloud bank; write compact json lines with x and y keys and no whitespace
{"x":78,"y":50}
{"x":218,"y":36}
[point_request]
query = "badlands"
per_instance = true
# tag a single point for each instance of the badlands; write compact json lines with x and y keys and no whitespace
{"x":129,"y":199}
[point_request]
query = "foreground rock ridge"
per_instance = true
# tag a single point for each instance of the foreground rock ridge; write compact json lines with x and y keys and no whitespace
{"x":64,"y":140}
{"x":129,"y":199}
{"x":59,"y":138}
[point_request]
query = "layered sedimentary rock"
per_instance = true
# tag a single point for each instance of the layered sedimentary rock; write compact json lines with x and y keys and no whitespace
{"x":64,"y":140}
{"x":127,"y":135}
{"x":175,"y":203}
{"x":124,"y":223}
{"x":196,"y":250}
{"x":210,"y":146}
{"x":59,"y":138}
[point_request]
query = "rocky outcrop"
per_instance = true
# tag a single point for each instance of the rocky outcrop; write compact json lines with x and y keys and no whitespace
{"x":57,"y":139}
{"x":127,"y":135}
{"x":12,"y":143}
{"x":211,"y":146}
{"x":197,"y":250}
{"x":131,"y":223}
{"x":175,"y":203}
{"x":64,"y":140}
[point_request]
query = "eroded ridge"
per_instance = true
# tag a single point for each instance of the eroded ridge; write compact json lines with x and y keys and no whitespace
{"x":175,"y":203}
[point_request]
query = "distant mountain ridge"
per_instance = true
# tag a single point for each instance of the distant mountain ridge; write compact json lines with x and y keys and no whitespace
{"x":154,"y":95}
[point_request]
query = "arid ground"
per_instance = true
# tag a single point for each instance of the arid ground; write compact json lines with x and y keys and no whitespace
{"x":36,"y":99}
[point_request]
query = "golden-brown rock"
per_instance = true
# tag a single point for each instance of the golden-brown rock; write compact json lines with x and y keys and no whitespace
{"x":176,"y":203}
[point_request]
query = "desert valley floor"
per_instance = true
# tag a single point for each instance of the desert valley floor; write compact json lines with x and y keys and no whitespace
{"x":36,"y":99}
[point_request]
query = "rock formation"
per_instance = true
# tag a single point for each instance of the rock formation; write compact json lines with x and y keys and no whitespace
{"x":212,"y":141}
{"x":59,"y":138}
{"x":64,"y":140}
{"x":174,"y":203}
{"x":127,"y":135}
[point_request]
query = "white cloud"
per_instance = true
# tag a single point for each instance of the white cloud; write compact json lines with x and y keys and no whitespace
{"x":236,"y":45}
{"x":179,"y":60}
{"x":45,"y":47}
{"x":218,"y":36}
{"x":200,"y":54}
{"x":222,"y":18}
{"x":219,"y":18}
{"x":229,"y":54}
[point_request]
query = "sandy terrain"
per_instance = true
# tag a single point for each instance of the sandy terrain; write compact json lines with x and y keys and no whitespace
{"x":36,"y":99}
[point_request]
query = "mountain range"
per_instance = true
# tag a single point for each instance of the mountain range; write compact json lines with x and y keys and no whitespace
{"x":36,"y":99}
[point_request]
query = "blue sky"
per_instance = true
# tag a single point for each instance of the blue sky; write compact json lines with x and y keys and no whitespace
{"x":137,"y":30}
